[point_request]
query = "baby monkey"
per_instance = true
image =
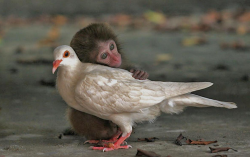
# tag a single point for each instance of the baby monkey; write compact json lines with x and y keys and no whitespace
{"x":97,"y":43}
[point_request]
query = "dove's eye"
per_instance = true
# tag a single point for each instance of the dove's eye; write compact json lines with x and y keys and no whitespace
{"x":104,"y":56}
{"x":66,"y":54}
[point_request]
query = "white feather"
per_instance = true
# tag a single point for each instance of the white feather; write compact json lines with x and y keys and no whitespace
{"x":115,"y":95}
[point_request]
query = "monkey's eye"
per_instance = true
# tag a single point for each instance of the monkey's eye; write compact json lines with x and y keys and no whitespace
{"x":104,"y":55}
{"x":66,"y":54}
{"x":112,"y":46}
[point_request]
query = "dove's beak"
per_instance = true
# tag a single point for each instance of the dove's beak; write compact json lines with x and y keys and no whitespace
{"x":56,"y":64}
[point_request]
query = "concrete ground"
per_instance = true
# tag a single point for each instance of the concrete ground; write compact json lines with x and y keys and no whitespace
{"x":32,"y":114}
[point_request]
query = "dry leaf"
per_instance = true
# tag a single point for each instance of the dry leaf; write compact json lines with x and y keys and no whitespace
{"x":151,"y":139}
{"x":245,"y":17}
{"x":220,"y":155}
{"x":191,"y":142}
{"x":163,"y":57}
{"x":51,"y":37}
{"x":215,"y":150}
{"x":141,"y":152}
{"x":192,"y":41}
{"x":121,"y":20}
{"x":178,"y":140}
{"x":155,"y":17}
{"x":242,"y":30}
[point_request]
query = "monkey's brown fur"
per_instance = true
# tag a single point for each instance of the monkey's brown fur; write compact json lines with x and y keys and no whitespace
{"x":90,"y":126}
{"x":85,"y":44}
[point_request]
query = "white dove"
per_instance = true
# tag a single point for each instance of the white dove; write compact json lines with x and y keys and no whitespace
{"x":113,"y":94}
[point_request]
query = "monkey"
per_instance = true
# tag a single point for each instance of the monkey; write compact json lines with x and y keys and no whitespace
{"x":97,"y":43}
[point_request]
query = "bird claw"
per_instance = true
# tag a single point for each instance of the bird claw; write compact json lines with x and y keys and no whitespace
{"x":86,"y":142}
{"x":124,"y":143}
{"x":106,"y":149}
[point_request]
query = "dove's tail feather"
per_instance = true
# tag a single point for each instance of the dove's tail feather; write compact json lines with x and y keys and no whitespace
{"x":173,"y":89}
{"x":177,"y":104}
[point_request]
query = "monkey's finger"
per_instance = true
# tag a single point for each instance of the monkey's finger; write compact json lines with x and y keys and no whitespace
{"x":140,"y":75}
{"x":135,"y":73}
{"x":145,"y":76}
{"x":132,"y":70}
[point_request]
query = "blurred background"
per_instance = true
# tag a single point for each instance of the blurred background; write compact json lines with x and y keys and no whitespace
{"x":184,"y":40}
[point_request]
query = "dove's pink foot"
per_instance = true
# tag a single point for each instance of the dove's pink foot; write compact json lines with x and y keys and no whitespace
{"x":116,"y":145}
{"x":111,"y":140}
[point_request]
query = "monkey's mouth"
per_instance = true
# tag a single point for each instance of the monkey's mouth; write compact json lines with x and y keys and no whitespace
{"x":117,"y":61}
{"x":117,"y":64}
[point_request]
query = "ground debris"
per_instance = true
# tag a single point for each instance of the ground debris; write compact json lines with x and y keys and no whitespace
{"x":178,"y":140}
{"x":221,"y":67}
{"x":19,"y":50}
{"x":244,"y":78}
{"x":60,"y":136}
{"x":199,"y":142}
{"x":162,"y":58}
{"x":69,"y":132}
{"x":220,"y":155}
{"x":13,"y":70}
{"x":236,"y":45}
{"x":192,"y":142}
{"x":47,"y":83}
{"x":192,"y":41}
{"x":150,"y":139}
{"x":14,"y":148}
{"x":144,"y":153}
{"x":215,"y":150}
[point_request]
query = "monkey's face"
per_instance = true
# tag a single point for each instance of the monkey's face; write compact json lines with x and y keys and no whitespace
{"x":108,"y":54}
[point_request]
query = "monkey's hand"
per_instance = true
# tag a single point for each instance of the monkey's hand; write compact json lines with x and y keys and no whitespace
{"x":139,"y":74}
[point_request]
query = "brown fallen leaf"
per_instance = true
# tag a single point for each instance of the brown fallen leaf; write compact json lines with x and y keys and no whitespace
{"x":178,"y":139}
{"x":215,"y":150}
{"x":141,"y":152}
{"x":191,"y":142}
{"x":163,"y":57}
{"x":121,"y":20}
{"x":220,"y":155}
{"x":51,"y":38}
{"x":150,"y":139}
{"x":236,"y":45}
{"x":245,"y":17}
{"x":192,"y":41}
{"x":155,"y":17}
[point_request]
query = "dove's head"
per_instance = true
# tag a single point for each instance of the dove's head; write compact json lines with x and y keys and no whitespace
{"x":64,"y":56}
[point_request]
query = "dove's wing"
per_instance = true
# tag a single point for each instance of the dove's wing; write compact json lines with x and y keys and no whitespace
{"x":110,"y":93}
